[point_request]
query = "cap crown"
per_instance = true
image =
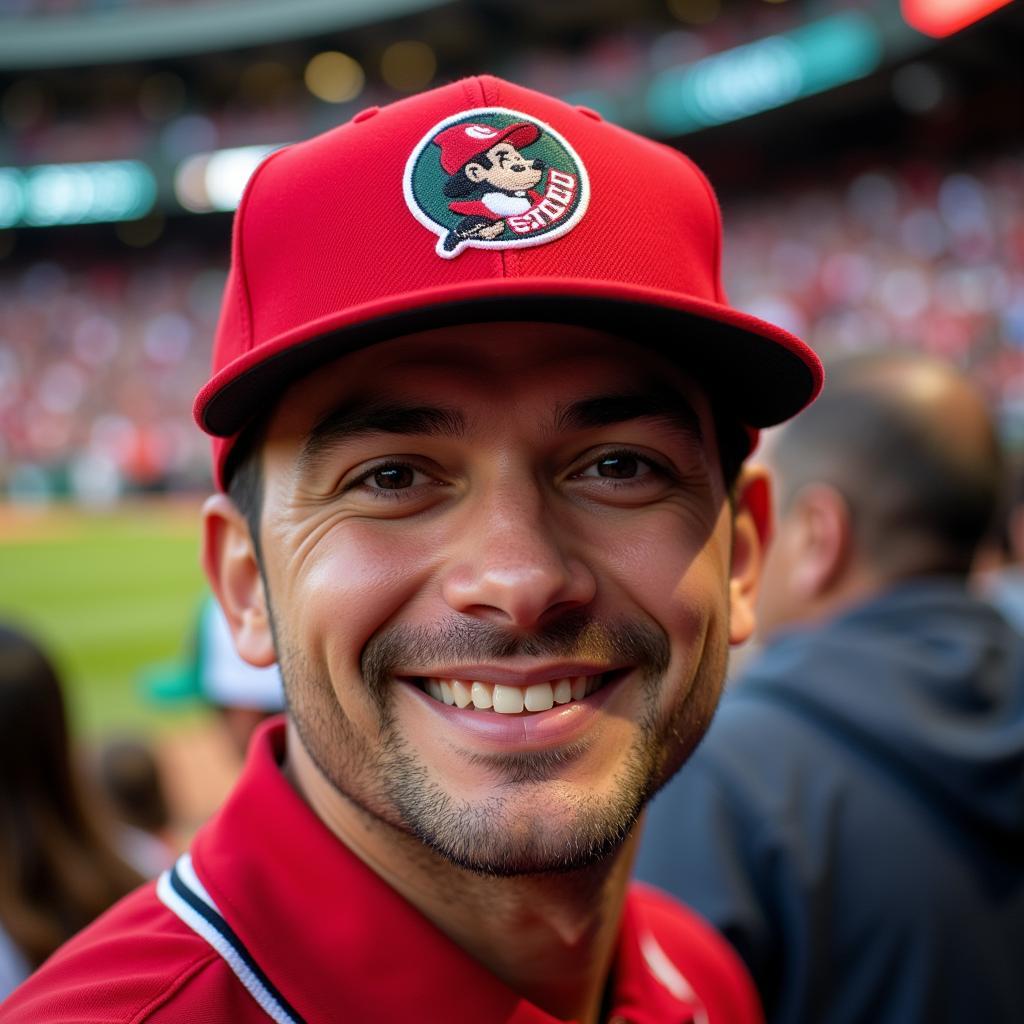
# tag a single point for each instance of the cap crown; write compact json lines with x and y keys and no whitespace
{"x":334,"y":234}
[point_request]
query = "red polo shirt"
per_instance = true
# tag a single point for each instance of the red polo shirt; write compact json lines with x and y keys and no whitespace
{"x":338,"y":944}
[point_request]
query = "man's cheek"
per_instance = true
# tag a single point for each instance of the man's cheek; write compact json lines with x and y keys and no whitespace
{"x":356,"y":587}
{"x":651,"y":559}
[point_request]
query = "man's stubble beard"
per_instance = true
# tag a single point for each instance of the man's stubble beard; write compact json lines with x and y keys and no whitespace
{"x":389,"y":784}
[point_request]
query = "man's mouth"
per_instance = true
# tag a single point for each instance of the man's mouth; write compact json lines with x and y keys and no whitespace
{"x":512,"y":700}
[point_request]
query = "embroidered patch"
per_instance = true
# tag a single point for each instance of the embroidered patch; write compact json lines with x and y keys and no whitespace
{"x":492,"y":178}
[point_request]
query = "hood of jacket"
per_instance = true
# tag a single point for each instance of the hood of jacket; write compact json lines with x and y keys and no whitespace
{"x":926,"y":676}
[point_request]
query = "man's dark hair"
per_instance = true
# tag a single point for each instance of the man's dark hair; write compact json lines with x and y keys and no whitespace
{"x":922,"y":481}
{"x":244,"y":476}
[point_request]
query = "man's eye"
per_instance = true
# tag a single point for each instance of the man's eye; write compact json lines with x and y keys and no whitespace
{"x":388,"y":478}
{"x":620,"y":466}
{"x":393,"y":478}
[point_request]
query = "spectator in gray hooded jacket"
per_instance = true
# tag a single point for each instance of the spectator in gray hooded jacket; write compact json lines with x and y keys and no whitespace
{"x":854,"y":819}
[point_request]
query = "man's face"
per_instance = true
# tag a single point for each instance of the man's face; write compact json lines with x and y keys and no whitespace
{"x":535,"y":509}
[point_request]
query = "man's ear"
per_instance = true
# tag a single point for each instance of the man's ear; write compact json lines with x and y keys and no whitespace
{"x":751,"y":534}
{"x":475,"y":172}
{"x":233,"y":571}
{"x":823,"y":540}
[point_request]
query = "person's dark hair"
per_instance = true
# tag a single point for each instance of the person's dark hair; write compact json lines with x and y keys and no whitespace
{"x":922,"y":485}
{"x":57,"y":871}
{"x":1004,"y":538}
{"x":244,"y":471}
{"x":130,"y":777}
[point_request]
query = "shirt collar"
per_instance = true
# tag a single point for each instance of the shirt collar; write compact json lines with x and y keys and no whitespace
{"x":333,"y":935}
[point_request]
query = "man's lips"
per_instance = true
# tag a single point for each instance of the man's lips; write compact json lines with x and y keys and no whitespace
{"x":521,"y":730}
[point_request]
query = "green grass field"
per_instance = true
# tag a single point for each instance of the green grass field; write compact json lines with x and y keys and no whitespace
{"x":109,"y":593}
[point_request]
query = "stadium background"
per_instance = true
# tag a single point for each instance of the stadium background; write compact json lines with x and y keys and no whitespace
{"x":871,"y":175}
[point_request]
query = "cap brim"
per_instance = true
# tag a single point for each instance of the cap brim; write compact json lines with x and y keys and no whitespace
{"x":520,"y":135}
{"x":764,"y":373}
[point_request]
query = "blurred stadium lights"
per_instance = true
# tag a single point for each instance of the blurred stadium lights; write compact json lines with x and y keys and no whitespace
{"x":171,"y":30}
{"x":90,"y":193}
{"x":334,"y":77}
{"x":12,"y":197}
{"x":918,"y":87}
{"x":694,"y":12}
{"x":941,"y":18}
{"x":408,"y":66}
{"x":765,"y":74}
{"x":214,"y":182}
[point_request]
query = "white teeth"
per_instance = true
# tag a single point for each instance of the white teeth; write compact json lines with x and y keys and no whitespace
{"x":511,"y":700}
{"x":482,"y":696}
{"x":538,"y":697}
{"x":508,"y":700}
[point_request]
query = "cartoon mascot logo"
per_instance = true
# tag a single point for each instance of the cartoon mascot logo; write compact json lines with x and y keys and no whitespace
{"x":494,"y":179}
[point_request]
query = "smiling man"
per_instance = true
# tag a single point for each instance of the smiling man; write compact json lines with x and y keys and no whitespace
{"x":484,"y":504}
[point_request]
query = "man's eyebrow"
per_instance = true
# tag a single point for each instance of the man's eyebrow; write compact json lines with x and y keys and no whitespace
{"x":653,"y":402}
{"x":358,"y":419}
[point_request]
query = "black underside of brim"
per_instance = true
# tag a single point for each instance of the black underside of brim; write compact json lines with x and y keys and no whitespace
{"x":760,"y":380}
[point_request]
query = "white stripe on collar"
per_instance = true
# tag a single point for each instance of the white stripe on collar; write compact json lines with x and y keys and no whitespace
{"x":210,"y":924}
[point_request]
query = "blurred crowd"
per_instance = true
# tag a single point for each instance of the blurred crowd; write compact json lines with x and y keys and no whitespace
{"x":97,"y":370}
{"x":98,"y":365}
{"x":80,"y":827}
{"x":917,"y":259}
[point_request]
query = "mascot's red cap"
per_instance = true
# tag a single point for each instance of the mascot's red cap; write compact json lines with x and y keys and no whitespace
{"x":348,"y":239}
{"x":460,"y":143}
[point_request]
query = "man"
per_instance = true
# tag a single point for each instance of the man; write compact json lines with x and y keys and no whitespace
{"x":854,"y":819}
{"x":484,"y":506}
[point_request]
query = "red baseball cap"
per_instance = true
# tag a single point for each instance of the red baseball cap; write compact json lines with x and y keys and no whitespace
{"x":349,"y":238}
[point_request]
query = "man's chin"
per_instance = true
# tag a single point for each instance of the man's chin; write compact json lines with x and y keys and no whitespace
{"x":530,"y":824}
{"x":546,"y":851}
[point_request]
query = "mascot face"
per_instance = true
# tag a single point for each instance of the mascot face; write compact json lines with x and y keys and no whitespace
{"x":493,"y":178}
{"x":509,"y":170}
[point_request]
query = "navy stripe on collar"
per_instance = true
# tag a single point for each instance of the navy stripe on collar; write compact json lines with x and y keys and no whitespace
{"x":180,"y":890}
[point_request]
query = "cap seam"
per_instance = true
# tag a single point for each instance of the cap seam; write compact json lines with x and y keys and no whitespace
{"x":244,"y":299}
{"x":508,"y":262}
{"x":716,"y":213}
{"x":469,"y":84}
{"x":484,"y":81}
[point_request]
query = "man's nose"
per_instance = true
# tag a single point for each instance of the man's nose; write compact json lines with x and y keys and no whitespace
{"x":514,"y":565}
{"x":539,"y":165}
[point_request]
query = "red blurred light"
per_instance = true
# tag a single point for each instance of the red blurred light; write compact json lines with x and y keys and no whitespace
{"x":944,"y":17}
